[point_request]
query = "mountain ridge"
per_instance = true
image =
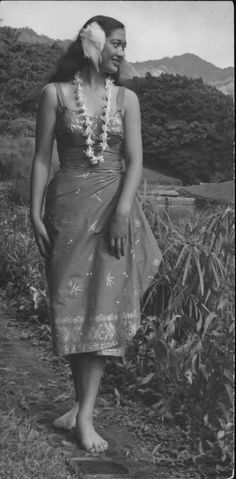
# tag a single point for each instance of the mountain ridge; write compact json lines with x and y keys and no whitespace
{"x":186,"y":64}
{"x":192,"y":66}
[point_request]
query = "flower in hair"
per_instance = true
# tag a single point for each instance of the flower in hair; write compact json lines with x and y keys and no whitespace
{"x":93,"y":40}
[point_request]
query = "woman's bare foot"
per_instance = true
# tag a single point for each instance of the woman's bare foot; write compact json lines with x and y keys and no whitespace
{"x":68,"y":420}
{"x":90,"y":440}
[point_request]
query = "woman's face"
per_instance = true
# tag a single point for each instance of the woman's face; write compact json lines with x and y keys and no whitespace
{"x":113,"y":51}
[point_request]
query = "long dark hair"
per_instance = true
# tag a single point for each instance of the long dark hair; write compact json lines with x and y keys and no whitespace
{"x":74,"y":59}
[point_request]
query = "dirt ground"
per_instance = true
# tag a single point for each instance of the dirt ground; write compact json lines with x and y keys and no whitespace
{"x":36,"y":388}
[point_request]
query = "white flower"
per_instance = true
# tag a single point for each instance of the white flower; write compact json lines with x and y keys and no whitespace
{"x":104,"y":136}
{"x":89,"y":141}
{"x":93,"y":39}
{"x":94,"y":160}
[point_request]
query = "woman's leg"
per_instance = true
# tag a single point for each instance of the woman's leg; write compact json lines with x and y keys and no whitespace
{"x":68,"y":420}
{"x":89,"y":369}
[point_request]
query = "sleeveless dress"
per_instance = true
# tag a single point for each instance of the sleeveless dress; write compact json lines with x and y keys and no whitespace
{"x":94,"y":297}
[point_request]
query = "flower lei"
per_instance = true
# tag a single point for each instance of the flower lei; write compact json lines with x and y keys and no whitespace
{"x":94,"y":159}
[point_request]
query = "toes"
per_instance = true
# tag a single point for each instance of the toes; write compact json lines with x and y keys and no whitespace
{"x":98,"y":447}
{"x":91,"y":450}
{"x":58,"y":423}
{"x":103,"y":446}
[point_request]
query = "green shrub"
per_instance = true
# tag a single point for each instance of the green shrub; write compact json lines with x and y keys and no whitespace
{"x":16,"y":155}
{"x":190,"y":315}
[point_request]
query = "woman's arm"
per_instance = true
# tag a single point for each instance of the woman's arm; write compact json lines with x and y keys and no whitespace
{"x":133,"y":175}
{"x":133,"y":153}
{"x":45,"y":127}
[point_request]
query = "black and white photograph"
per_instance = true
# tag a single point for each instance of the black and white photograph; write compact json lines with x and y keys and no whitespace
{"x":117,"y":239}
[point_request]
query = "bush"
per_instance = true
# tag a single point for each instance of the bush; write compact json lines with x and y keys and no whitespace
{"x":16,"y":156}
{"x":189,"y":323}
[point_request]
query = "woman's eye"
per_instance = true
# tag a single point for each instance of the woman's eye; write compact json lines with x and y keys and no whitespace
{"x":116,"y":45}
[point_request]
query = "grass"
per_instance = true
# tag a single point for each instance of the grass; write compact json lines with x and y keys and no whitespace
{"x":28,"y":453}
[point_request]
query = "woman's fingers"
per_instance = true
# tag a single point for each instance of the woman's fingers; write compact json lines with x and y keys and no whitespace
{"x":46,"y":238}
{"x":43,"y":243}
{"x":122,"y":246}
{"x":117,"y":246}
{"x":112,"y":245}
{"x":43,"y":249}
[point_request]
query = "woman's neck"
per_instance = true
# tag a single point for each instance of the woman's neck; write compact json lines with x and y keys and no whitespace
{"x":91,"y":77}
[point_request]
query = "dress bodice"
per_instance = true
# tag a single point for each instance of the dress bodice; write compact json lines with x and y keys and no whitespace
{"x":69,"y":133}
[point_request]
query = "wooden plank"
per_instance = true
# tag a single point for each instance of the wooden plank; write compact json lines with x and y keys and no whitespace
{"x":107,"y":476}
{"x":95,"y":468}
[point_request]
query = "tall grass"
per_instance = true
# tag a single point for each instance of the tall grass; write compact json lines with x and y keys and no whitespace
{"x":190,"y":315}
{"x":181,"y":360}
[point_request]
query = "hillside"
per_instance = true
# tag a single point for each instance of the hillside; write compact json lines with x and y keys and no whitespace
{"x":188,"y":64}
{"x":27,"y":35}
{"x":192,"y":66}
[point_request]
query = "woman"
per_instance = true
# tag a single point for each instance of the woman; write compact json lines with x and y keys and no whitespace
{"x":99,"y":250}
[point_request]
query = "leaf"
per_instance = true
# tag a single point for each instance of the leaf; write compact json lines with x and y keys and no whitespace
{"x":117,"y":395}
{"x":205,"y":419}
{"x":220,"y":434}
{"x":202,"y":368}
{"x":220,"y":264}
{"x":224,"y":410}
{"x":200,"y":448}
{"x":200,"y":272}
{"x":160,"y":350}
{"x":187,"y":267}
{"x":147,"y":379}
{"x":199,"y":323}
{"x":208,"y":322}
{"x":189,"y":376}
{"x":170,"y":330}
{"x":215,"y":274}
{"x":156,"y":448}
{"x":210,"y":444}
{"x":230,"y":392}
{"x":194,"y":360}
{"x":222,"y":304}
{"x":229,"y":375}
{"x":186,"y":246}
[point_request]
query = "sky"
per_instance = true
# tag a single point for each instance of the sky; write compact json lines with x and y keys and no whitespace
{"x":154,"y":29}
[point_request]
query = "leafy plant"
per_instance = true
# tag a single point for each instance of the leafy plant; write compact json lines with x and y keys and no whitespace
{"x":190,"y":308}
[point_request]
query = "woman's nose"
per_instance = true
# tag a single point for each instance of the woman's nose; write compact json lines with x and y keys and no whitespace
{"x":121,"y":51}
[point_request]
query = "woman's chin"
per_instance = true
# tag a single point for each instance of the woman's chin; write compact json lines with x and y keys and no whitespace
{"x":111,"y":70}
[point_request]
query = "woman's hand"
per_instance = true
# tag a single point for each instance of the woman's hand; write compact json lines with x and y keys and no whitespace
{"x":41,"y":237}
{"x":118,"y":230}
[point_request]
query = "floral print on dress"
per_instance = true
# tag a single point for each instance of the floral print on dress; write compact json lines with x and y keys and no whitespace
{"x":94,"y":297}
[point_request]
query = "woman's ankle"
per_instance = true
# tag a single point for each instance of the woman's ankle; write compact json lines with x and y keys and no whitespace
{"x":84,"y":416}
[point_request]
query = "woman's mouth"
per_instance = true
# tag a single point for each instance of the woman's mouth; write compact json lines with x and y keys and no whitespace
{"x":116,"y":62}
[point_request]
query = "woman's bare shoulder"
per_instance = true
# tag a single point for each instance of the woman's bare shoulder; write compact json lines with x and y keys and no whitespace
{"x":130,"y":99}
{"x":49,"y":94}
